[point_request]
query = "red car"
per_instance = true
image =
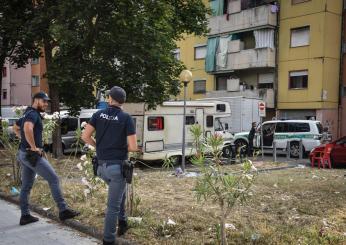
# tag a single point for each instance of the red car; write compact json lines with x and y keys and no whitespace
{"x":338,"y":152}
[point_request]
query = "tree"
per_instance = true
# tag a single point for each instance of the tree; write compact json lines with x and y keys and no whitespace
{"x":17,"y":33}
{"x":101,"y":43}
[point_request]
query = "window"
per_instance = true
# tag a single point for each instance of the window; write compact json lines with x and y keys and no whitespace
{"x":4,"y":94}
{"x":176,"y":54}
{"x":35,"y":80}
{"x":221,"y":83}
{"x":69,"y":124}
{"x":221,"y":107}
{"x":300,"y":36}
{"x":155,"y":123}
{"x":302,"y":127}
{"x":210,"y":121}
{"x":199,"y":86}
{"x":189,"y":120}
{"x":4,"y":71}
{"x":34,"y":61}
{"x":268,"y":129}
{"x":299,"y":1}
{"x":298,"y":79}
{"x":200,"y":52}
{"x":292,"y":127}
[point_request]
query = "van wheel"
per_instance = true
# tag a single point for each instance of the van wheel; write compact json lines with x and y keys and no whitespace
{"x":241,"y":147}
{"x":227,"y":152}
{"x":294,"y":150}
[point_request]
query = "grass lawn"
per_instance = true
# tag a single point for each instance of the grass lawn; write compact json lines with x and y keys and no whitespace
{"x":292,"y":206}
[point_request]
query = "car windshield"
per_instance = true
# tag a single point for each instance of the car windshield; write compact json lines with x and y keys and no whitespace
{"x":220,"y":123}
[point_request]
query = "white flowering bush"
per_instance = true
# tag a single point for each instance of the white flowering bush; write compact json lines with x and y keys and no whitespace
{"x":49,"y":124}
{"x":90,"y":182}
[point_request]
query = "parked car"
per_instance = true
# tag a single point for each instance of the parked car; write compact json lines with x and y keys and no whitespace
{"x":338,"y":151}
{"x":283,"y":131}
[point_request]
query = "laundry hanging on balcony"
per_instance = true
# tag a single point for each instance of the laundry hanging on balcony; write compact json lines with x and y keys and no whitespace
{"x":222,"y":54}
{"x":212,"y":46}
{"x":217,"y":7}
{"x":264,"y":38}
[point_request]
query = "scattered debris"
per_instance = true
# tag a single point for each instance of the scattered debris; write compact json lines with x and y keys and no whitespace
{"x":291,"y":180}
{"x":301,"y":166}
{"x":46,"y":209}
{"x":178,"y":172}
{"x":230,"y":227}
{"x":337,"y":192}
{"x":170,"y":222}
{"x":275,"y":185}
{"x":315,"y":177}
{"x":14,"y":191}
{"x":191,"y":174}
{"x":255,"y":237}
{"x":136,"y":220}
{"x":8,"y":175}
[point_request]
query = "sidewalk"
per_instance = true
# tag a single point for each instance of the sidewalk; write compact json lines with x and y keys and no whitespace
{"x":42,"y":232}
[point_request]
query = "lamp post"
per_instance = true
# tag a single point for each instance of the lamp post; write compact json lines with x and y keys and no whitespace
{"x":185,"y":78}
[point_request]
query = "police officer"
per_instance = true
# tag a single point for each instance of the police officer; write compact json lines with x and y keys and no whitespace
{"x":115,"y":137}
{"x":29,"y":129}
{"x":251,"y":136}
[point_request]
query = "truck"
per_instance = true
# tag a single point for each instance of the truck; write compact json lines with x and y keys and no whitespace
{"x":244,"y":112}
{"x":160,"y":130}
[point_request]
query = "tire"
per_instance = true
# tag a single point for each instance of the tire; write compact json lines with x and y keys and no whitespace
{"x":240,"y":143}
{"x":227,"y":152}
{"x":294,"y":150}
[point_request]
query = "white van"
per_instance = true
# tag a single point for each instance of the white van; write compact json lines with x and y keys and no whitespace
{"x":283,"y":131}
{"x":159,"y":131}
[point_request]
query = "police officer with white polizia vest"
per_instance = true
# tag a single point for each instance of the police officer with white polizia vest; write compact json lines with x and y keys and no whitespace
{"x":115,"y":137}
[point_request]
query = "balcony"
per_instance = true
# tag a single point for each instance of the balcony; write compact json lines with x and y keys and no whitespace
{"x":248,"y":19}
{"x":249,"y":58}
{"x":267,"y":95}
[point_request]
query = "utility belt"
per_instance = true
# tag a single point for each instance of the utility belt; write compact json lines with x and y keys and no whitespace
{"x":126,"y":167}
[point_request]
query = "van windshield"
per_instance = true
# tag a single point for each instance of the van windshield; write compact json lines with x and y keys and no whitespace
{"x":222,"y":123}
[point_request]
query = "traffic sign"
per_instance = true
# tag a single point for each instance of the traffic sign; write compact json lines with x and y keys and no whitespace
{"x":261,"y":108}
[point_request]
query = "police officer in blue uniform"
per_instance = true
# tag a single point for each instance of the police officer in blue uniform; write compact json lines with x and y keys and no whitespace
{"x":29,"y":129}
{"x":115,"y":137}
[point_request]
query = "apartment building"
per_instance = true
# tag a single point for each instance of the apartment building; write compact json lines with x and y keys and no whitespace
{"x":342,"y":100}
{"x":309,"y":60}
{"x":238,"y":57}
{"x":16,"y":85}
{"x":38,"y":80}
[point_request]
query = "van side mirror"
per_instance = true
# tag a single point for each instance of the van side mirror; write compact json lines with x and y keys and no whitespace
{"x":226,"y":126}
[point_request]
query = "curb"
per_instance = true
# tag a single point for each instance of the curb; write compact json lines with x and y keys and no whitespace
{"x":76,"y":225}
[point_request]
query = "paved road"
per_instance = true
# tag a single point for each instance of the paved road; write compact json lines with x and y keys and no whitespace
{"x":40,"y":233}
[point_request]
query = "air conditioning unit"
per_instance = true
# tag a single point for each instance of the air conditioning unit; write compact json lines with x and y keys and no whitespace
{"x":235,"y":46}
{"x":233,"y":84}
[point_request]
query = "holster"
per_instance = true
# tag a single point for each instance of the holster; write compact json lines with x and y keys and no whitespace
{"x":32,"y":157}
{"x":127,"y":170}
{"x":95,"y":164}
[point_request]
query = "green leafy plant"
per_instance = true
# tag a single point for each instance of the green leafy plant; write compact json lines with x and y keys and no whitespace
{"x":214,"y":184}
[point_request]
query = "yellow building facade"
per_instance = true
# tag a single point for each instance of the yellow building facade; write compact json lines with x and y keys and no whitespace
{"x":186,"y":52}
{"x":309,"y":60}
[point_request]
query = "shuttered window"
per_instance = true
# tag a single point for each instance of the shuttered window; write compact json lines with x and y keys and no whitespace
{"x":300,"y":36}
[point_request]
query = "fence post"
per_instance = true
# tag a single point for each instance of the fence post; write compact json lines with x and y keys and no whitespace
{"x":288,"y":150}
{"x":300,"y":149}
{"x":274,"y":150}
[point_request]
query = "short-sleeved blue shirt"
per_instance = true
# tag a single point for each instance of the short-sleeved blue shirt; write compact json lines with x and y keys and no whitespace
{"x":34,"y":116}
{"x":112,"y":128}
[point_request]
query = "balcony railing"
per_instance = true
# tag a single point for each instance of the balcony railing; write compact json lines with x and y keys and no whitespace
{"x":249,"y":58}
{"x":253,"y":18}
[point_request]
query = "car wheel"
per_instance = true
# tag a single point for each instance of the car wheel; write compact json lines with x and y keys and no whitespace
{"x":294,"y":150}
{"x":227,"y":152}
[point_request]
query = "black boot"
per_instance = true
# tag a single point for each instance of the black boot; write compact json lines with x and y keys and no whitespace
{"x":108,"y":243}
{"x":27,"y":219}
{"x":122,"y":227}
{"x":68,"y":214}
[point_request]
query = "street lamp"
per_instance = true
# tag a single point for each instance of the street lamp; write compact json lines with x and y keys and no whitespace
{"x":185,"y":78}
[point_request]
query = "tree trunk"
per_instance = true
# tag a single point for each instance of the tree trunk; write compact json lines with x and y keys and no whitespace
{"x":223,"y":228}
{"x":55,"y":102}
{"x":2,"y":63}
